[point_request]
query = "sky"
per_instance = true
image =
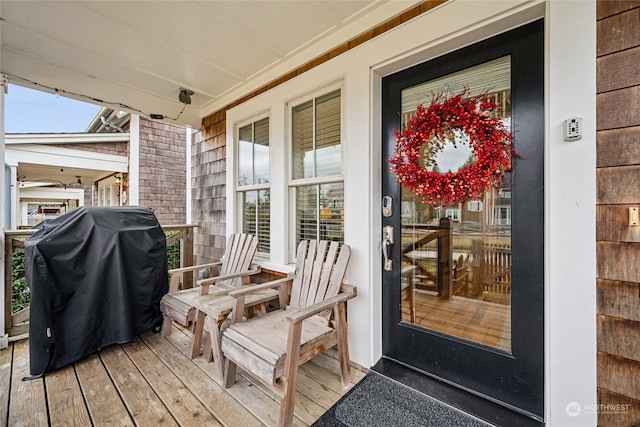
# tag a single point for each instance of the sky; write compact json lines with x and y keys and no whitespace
{"x":33,"y":111}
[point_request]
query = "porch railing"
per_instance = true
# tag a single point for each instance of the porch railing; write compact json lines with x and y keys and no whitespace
{"x":16,"y":292}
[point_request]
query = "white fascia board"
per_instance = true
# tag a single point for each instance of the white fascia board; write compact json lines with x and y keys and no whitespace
{"x":65,"y":157}
{"x":44,"y":193}
{"x":66,"y":138}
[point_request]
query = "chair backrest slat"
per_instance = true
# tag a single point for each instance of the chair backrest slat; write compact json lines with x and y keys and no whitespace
{"x":234,"y":247}
{"x":309,"y":297}
{"x":324,"y":274}
{"x":297,"y":277}
{"x":339,"y":270}
{"x":238,"y":256}
{"x":318,"y":266}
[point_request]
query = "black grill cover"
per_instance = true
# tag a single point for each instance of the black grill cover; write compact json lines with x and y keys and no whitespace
{"x":96,"y":276}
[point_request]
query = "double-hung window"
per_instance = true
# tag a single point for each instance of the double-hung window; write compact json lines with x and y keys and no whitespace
{"x":254,"y":195}
{"x":317,"y":182}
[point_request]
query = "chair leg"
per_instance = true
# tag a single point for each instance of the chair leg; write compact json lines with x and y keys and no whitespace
{"x":291,"y":374}
{"x":216,"y":352}
{"x":198,"y":329}
{"x":166,"y":327}
{"x":343,"y":343}
{"x":207,"y":348}
{"x":229,"y":373}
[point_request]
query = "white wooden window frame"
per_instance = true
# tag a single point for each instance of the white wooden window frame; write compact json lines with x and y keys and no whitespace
{"x":241,"y":190}
{"x":303,"y":182}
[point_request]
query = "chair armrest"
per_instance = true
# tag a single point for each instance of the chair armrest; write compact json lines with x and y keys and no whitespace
{"x":205,"y":283}
{"x":211,"y":280}
{"x":327,"y":304}
{"x":260,"y":286}
{"x":239,"y":295}
{"x":194,"y":267}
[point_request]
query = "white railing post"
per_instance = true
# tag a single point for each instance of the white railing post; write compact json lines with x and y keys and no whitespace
{"x":4,"y":338}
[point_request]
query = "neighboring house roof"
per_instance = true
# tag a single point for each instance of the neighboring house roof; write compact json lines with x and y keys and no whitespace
{"x":109,"y":120}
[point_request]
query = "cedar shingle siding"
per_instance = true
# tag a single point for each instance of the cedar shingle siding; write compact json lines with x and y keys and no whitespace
{"x":163,"y":170}
{"x":618,"y":244}
{"x":209,"y":170}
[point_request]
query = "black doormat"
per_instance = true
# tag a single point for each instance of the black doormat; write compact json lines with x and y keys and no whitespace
{"x":380,"y":401}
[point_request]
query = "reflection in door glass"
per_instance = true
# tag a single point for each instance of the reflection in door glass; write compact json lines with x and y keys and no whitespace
{"x":456,"y":259}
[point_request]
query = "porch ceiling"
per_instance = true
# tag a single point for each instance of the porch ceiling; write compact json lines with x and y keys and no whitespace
{"x":32,"y":172}
{"x":139,"y":54}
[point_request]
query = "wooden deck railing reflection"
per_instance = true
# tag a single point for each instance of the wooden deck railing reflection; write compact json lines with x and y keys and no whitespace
{"x":481,"y":267}
{"x":441,"y":234}
{"x":17,"y":311}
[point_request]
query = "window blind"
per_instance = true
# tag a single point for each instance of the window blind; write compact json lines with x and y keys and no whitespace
{"x":245,"y":155}
{"x":257,"y":217}
{"x":316,"y":137}
{"x":302,"y":137}
{"x":489,"y":77}
{"x":306,"y":213}
{"x":320,"y":212}
{"x":261,"y":151}
{"x":328,"y":135}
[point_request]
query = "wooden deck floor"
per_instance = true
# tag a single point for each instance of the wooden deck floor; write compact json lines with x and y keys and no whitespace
{"x":151,"y":382}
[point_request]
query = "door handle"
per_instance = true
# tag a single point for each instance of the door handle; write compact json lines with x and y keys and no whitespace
{"x":387,"y":240}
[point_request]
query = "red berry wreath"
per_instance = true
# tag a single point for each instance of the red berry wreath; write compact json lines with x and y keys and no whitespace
{"x":429,"y":131}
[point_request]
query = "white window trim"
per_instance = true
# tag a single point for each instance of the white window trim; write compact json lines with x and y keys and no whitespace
{"x":455,"y":214}
{"x":237,"y":188}
{"x":114,"y":189}
{"x":292,"y":183}
{"x":291,"y":104}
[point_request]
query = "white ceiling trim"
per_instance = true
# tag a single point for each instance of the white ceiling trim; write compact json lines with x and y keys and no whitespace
{"x":66,"y":138}
{"x":65,"y":157}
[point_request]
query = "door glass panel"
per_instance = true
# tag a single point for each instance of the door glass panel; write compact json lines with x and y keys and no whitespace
{"x":456,"y":259}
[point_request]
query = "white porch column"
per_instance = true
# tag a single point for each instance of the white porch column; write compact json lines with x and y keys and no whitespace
{"x":570,"y":190}
{"x":4,"y":338}
{"x":134,"y":161}
{"x":14,"y":197}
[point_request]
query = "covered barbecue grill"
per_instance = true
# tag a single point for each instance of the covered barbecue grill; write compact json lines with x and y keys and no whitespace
{"x":96,"y":276}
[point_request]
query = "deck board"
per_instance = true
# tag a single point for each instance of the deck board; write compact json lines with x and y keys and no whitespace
{"x":176,"y":397}
{"x":223,"y":406}
{"x":151,"y":382}
{"x":65,"y":401}
{"x":103,"y":401}
{"x":28,"y":406}
{"x":5,"y":383}
{"x":142,"y":403}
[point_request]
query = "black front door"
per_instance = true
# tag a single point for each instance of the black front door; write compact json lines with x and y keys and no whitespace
{"x":463,"y":290}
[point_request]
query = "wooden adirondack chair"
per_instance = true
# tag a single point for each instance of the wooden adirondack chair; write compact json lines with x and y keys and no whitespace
{"x":230,"y":273}
{"x":272,"y":346}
